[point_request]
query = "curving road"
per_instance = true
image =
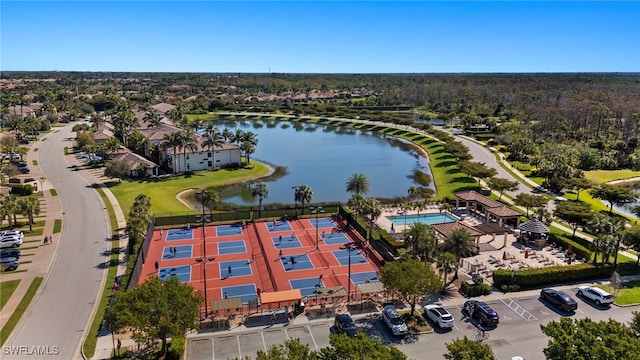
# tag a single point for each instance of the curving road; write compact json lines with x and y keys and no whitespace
{"x":60,"y":314}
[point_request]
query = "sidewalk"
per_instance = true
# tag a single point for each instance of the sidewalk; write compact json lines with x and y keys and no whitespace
{"x":44,"y":255}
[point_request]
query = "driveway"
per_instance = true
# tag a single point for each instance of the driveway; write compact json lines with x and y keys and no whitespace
{"x":60,"y":314}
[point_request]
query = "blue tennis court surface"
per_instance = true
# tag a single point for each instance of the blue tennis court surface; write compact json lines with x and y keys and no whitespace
{"x":278,"y":226}
{"x":246,"y":292}
{"x":307,"y":286}
{"x":226,"y":230}
{"x":238,"y":268}
{"x":300,"y":262}
{"x":361,"y":278}
{"x":179,"y":234}
{"x":183,"y":251}
{"x":322,"y":223}
{"x":182,"y":272}
{"x":343,"y":257}
{"x":335,"y":238}
{"x":286,"y":242}
{"x":232,"y":247}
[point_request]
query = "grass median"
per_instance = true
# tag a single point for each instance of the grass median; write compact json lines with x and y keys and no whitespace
{"x":6,"y":290}
{"x":22,"y":307}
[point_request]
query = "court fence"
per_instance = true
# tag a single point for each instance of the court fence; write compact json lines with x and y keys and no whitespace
{"x":240,"y":214}
{"x":382,"y":242}
{"x":141,"y":257}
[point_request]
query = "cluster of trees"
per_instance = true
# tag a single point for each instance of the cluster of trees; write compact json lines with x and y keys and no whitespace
{"x":138,"y":222}
{"x":12,"y":205}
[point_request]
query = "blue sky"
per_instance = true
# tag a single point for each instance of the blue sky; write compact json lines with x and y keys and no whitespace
{"x":321,"y":37}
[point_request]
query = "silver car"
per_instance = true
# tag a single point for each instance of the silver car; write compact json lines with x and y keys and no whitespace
{"x":10,"y":241}
{"x":9,"y":263}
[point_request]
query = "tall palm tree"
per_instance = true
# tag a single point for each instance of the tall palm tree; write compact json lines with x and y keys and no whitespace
{"x":303,"y":194}
{"x":372,"y":209}
{"x":260,"y":190}
{"x":237,"y":136}
{"x":210,"y":197}
{"x":10,"y":207}
{"x":443,"y":210}
{"x":357,"y":184}
{"x":171,"y":140}
{"x":186,"y":142}
{"x":212,"y":139}
{"x":446,"y":264}
{"x":227,"y":134}
{"x":111,"y":145}
{"x":422,"y":241}
{"x":460,"y":243}
{"x":413,"y":192}
{"x":247,"y":148}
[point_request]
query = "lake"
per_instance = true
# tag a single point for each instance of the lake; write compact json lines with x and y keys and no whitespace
{"x":323,"y":157}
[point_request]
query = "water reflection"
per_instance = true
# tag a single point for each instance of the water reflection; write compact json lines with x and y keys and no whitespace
{"x":324,"y":157}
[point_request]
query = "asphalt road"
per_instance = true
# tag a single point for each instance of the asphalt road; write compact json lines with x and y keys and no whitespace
{"x":59,"y":315}
{"x":517,"y":334}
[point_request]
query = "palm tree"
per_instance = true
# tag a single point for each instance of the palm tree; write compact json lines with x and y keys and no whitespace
{"x":460,"y":243}
{"x":152,"y":118}
{"x":372,"y":210}
{"x":357,"y":184}
{"x":260,"y":190}
{"x":10,"y":206}
{"x":446,"y":264}
{"x":303,"y":194}
{"x":111,"y":145}
{"x":421,"y":238}
{"x":210,"y":197}
{"x":212,"y":139}
{"x":227,"y":134}
{"x":248,"y":148}
{"x":171,"y":140}
{"x":237,"y":136}
{"x":413,"y":192}
{"x":443,"y":210}
{"x":187,"y":141}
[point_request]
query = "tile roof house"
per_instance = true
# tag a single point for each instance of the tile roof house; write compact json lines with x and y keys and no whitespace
{"x":492,"y":210}
{"x":163,"y":108}
{"x":138,"y":166}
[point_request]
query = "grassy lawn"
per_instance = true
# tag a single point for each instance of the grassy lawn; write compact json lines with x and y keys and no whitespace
{"x":90,"y":342}
{"x":57,"y":226}
{"x":163,"y":191}
{"x":602,"y":176}
{"x":6,"y":290}
{"x":629,"y":294}
{"x":53,"y":192}
{"x":22,"y":307}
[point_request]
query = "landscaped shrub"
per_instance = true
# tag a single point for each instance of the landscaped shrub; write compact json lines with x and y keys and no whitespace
{"x":536,"y":277}
{"x":476,"y":288}
{"x":21,"y":190}
{"x":581,"y":247}
{"x":176,"y":349}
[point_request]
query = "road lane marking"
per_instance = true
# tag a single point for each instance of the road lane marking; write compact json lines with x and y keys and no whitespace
{"x":519,"y":310}
{"x":312,"y":338}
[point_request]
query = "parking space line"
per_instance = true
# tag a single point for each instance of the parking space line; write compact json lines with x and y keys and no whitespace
{"x":312,"y":338}
{"x":286,"y":333}
{"x":519,"y":310}
{"x":239,"y":349}
{"x":213,"y":350}
{"x":264,"y":343}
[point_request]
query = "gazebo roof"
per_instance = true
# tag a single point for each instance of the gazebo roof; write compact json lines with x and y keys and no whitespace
{"x":535,"y":226}
{"x":447,"y":228}
{"x":370,"y":288}
{"x":504,"y":212}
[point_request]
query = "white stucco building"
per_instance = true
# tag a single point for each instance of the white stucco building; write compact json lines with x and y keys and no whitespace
{"x":228,"y":155}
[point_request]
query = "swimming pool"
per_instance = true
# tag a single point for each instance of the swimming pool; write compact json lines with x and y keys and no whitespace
{"x":428,"y":219}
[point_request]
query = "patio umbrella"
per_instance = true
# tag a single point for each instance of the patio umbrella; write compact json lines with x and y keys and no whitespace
{"x":391,"y":226}
{"x":570,"y":249}
{"x":526,"y":254}
{"x":504,"y":255}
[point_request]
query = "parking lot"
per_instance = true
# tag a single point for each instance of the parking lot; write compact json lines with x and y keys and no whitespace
{"x":518,"y":333}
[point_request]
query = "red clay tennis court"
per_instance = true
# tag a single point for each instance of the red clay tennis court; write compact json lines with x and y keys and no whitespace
{"x":252,"y":261}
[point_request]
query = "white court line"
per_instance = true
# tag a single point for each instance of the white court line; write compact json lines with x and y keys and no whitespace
{"x":264,"y":343}
{"x":239,"y":349}
{"x":213,"y":350}
{"x":312,"y":338}
{"x":286,"y":333}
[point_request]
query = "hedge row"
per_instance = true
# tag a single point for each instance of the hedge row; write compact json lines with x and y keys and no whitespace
{"x":564,"y":241}
{"x":537,"y":277}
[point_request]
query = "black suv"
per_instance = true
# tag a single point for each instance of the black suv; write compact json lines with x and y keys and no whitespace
{"x":6,"y":253}
{"x":482,"y":312}
{"x":344,"y":325}
{"x":559,"y":299}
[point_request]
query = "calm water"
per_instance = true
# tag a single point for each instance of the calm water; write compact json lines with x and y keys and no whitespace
{"x":323,"y":158}
{"x":428,"y":219}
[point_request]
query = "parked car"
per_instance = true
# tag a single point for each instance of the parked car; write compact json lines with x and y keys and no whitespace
{"x":10,"y":241}
{"x":24,"y":170}
{"x":13,"y":233}
{"x":559,"y":299}
{"x":597,"y":295}
{"x":439,"y":315}
{"x":482,"y":312}
{"x":393,"y":320}
{"x":9,"y":263}
{"x":20,"y":164}
{"x":345,"y":325}
{"x":15,"y":253}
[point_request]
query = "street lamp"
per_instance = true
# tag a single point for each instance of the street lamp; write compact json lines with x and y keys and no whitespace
{"x":316,"y":210}
{"x":349,"y":247}
{"x":204,"y":219}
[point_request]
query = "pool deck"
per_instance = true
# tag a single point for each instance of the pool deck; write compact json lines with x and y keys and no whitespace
{"x":384,"y":223}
